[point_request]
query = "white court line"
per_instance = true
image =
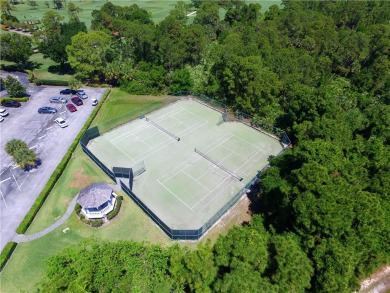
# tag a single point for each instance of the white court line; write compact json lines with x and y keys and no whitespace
{"x":122,"y":151}
{"x":197,"y":159}
{"x":261,"y":150}
{"x":177,"y":197}
{"x":233,"y":152}
{"x":196,"y":181}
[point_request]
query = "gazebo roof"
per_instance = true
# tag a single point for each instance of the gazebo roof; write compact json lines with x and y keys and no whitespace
{"x":94,"y":195}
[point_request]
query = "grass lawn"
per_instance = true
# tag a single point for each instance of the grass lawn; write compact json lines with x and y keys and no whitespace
{"x":43,"y":68}
{"x":26,"y":266}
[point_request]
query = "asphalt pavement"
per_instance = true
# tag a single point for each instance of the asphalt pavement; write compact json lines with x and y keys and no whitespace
{"x":20,"y":188}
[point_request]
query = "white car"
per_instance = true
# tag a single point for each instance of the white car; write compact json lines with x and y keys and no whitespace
{"x":1,"y":118}
{"x":95,"y":102}
{"x":61,"y":122}
{"x":3,"y":112}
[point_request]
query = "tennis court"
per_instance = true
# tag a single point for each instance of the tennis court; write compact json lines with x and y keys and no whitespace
{"x":193,"y":165}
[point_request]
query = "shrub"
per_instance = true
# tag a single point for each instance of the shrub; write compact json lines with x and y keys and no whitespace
{"x":77,"y":209}
{"x":115,"y":211}
{"x":95,"y":223}
{"x":22,"y":99}
{"x":38,"y":81}
{"x":57,"y":173}
{"x":14,"y":87}
{"x":6,"y":253}
{"x":30,"y":76}
{"x":22,"y":155}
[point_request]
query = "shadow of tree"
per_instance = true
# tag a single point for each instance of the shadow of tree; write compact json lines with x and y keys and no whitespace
{"x":31,"y":65}
{"x":61,"y":69}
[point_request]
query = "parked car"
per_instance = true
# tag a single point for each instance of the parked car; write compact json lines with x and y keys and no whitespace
{"x":60,"y":100}
{"x":1,"y":118}
{"x":3,"y":112}
{"x":82,"y":95}
{"x":61,"y":122}
{"x":77,"y":101}
{"x":95,"y":102}
{"x":46,"y":109}
{"x":68,"y":92}
{"x":71,"y":107}
{"x":11,"y":103}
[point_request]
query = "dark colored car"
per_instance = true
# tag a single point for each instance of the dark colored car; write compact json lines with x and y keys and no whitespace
{"x":47,"y":110}
{"x":77,"y":101}
{"x":71,"y":107}
{"x":68,"y":92}
{"x":11,"y":103}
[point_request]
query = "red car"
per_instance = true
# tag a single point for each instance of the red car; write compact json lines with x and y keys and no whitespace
{"x":71,"y":107}
{"x":77,"y":101}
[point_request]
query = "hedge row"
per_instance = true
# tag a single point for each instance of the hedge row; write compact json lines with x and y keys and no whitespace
{"x":57,"y":173}
{"x":115,"y":211}
{"x":38,"y":81}
{"x":6,"y":253}
{"x":22,"y":99}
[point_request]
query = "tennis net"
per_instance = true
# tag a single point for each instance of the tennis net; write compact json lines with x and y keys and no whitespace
{"x":162,"y":129}
{"x":218,"y":165}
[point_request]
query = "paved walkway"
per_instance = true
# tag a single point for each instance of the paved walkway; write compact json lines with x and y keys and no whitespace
{"x":26,"y":238}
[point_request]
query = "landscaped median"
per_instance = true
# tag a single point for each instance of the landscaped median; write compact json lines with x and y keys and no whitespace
{"x":9,"y":248}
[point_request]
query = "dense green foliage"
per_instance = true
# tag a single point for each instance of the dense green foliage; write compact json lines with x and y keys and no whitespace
{"x":14,"y":87}
{"x":239,"y":262}
{"x":55,"y":35}
{"x":318,"y":69}
{"x":15,"y":48}
{"x":20,"y":152}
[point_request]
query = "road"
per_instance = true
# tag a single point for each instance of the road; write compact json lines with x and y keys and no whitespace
{"x":19,"y":188}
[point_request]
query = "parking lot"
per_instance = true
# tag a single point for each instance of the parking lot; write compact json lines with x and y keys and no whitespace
{"x":20,"y":188}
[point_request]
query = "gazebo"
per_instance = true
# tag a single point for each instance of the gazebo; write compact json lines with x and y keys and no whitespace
{"x":96,"y":200}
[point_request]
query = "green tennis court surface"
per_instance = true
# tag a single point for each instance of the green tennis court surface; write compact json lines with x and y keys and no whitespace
{"x":183,"y":188}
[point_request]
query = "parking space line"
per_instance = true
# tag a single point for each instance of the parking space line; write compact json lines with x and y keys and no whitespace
{"x":62,"y":112}
{"x":50,"y":127}
{"x":42,"y":136}
{"x":5,"y":180}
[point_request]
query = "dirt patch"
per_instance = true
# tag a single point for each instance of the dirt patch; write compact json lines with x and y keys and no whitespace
{"x":237,"y":215}
{"x":378,"y":282}
{"x":79,"y":179}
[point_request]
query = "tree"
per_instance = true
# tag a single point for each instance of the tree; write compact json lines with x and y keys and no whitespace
{"x":89,"y":53}
{"x":15,"y":48}
{"x":32,"y":3}
{"x":58,"y":4}
{"x":22,"y":155}
{"x":73,"y":12}
{"x":14,"y":87}
{"x":181,"y":81}
{"x":56,"y":35}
